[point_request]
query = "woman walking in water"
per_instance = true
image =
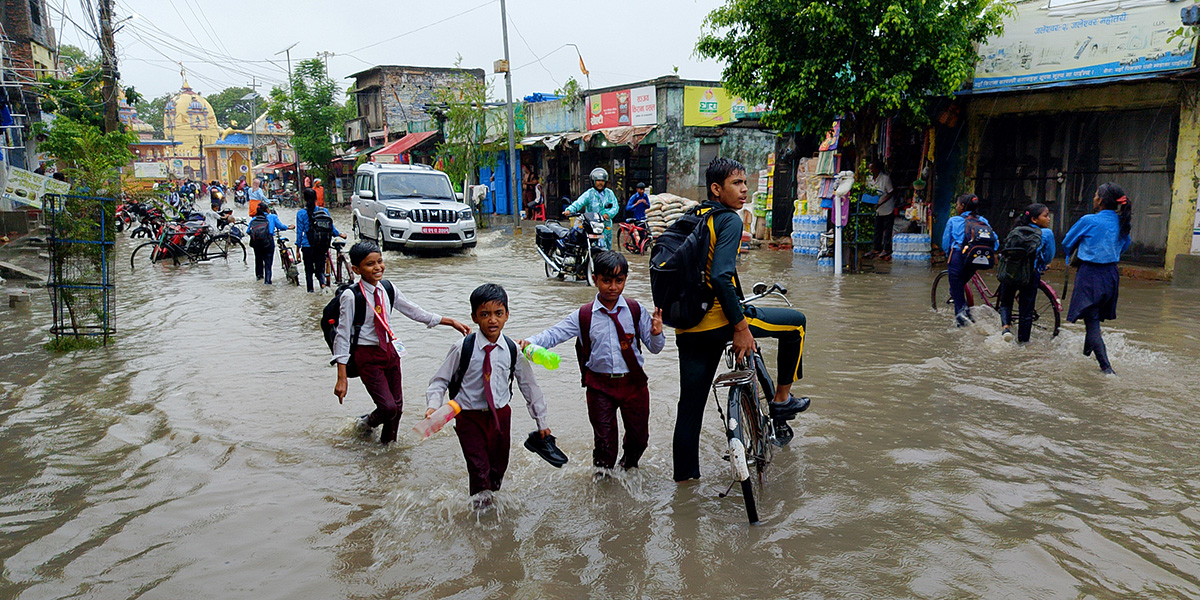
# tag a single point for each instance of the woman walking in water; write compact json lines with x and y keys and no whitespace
{"x":1100,"y":238}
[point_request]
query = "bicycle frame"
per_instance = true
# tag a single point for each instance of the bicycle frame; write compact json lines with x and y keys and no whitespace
{"x":987,"y":295}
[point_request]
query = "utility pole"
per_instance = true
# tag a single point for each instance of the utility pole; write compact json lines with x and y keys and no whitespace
{"x":513,"y":184}
{"x":253,"y":98}
{"x":108,"y":67}
{"x":291,"y":93}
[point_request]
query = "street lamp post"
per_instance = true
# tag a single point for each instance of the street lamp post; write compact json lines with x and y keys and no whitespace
{"x":291,"y":92}
{"x":513,"y":184}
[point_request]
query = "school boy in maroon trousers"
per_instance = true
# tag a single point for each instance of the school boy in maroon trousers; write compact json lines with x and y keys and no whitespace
{"x":484,"y":425}
{"x":609,"y":332}
{"x":373,"y":348}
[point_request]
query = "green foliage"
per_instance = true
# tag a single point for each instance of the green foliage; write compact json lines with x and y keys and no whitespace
{"x":228,"y":107}
{"x":151,"y":111}
{"x":78,"y":97}
{"x":64,"y":344}
{"x":74,"y":58}
{"x":464,"y":125}
{"x":814,"y":60}
{"x":82,"y":151}
{"x":312,"y":111}
{"x":570,"y":92}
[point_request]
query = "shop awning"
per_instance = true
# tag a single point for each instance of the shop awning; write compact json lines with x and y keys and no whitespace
{"x":549,"y":141}
{"x":622,"y":136}
{"x":389,"y":152}
{"x":355,"y":153}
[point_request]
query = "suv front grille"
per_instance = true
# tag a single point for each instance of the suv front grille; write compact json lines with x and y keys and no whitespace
{"x":434,"y":215}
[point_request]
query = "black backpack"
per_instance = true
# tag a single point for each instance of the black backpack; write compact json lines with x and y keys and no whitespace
{"x":1018,"y":255}
{"x":260,"y":232}
{"x":320,"y":229}
{"x":979,"y":243}
{"x":333,"y":311}
{"x":464,"y":359}
{"x":679,"y":268}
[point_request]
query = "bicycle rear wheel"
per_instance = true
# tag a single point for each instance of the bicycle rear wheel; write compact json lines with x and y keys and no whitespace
{"x":750,"y":427}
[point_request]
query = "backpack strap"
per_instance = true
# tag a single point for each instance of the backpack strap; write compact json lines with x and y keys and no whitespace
{"x":391,"y":294}
{"x":464,"y":359}
{"x":583,"y":343}
{"x":514,"y":352}
{"x":635,"y":311}
{"x":360,"y":315}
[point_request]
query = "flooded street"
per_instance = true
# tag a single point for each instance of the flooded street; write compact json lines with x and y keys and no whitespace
{"x":204,"y":455}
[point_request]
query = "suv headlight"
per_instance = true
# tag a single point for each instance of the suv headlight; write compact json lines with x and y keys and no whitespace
{"x":465,"y":214}
{"x":397,"y":213}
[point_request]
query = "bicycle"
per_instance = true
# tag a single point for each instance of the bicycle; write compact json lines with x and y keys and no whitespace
{"x":749,"y":428}
{"x":637,"y":236}
{"x":1048,"y":302}
{"x":337,"y":271}
{"x":191,"y":240}
{"x":287,"y":260}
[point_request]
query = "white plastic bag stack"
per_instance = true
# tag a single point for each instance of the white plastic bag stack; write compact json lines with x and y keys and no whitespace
{"x":664,"y":210}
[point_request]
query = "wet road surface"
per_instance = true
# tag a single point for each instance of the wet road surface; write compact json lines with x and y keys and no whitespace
{"x":205,"y":456}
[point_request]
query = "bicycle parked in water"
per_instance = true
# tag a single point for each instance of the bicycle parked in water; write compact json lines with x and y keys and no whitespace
{"x":337,"y":270}
{"x":190,"y":239}
{"x":1047,"y":311}
{"x":749,"y":428}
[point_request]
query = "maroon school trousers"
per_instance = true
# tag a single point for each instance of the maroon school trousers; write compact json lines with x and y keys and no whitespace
{"x":605,"y":395}
{"x":380,"y":374}
{"x":484,"y":446}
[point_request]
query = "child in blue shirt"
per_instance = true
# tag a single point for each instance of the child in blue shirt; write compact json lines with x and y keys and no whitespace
{"x":1100,"y":239}
{"x":960,"y":270}
{"x":638,"y":203}
{"x":264,"y":254}
{"x":1035,"y":215}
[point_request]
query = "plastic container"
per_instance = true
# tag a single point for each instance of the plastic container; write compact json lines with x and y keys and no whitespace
{"x":437,"y":420}
{"x":541,"y":356}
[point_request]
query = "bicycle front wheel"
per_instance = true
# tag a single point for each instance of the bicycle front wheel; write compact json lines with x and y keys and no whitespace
{"x":1047,"y":318}
{"x":145,"y":249}
{"x":939,"y":294}
{"x":749,"y":426}
{"x":217,"y":248}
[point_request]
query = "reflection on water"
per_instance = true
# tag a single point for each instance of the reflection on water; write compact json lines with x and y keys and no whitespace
{"x":204,"y":455}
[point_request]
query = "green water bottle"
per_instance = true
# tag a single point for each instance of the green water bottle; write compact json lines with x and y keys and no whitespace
{"x":541,"y":356}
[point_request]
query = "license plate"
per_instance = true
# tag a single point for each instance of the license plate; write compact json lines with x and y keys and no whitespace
{"x":435,"y":230}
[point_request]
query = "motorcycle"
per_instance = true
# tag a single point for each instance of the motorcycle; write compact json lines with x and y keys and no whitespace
{"x":239,"y":197}
{"x":569,"y":251}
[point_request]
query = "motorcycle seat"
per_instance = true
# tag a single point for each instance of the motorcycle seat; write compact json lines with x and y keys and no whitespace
{"x":553,"y":228}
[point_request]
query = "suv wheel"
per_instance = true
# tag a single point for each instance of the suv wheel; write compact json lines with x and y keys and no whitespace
{"x":383,"y":245}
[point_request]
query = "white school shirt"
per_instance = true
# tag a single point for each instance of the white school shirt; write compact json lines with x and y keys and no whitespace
{"x":606,"y":354}
{"x":471,"y":397}
{"x":366,"y":335}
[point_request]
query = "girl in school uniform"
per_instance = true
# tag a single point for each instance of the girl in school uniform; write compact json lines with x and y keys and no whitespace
{"x":960,"y":269}
{"x":1037,"y":216}
{"x":1100,"y":239}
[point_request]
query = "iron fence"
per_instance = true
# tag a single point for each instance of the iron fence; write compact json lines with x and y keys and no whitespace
{"x":82,"y":243}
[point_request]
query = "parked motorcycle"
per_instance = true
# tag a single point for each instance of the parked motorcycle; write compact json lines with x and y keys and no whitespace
{"x":569,"y":251}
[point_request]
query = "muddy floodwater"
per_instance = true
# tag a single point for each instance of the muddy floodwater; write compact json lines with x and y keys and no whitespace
{"x":205,"y":456}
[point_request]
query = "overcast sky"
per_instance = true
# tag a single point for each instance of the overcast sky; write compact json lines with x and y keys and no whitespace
{"x":622,"y":41}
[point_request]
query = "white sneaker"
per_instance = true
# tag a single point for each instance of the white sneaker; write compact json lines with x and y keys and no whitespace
{"x":1007,"y":333}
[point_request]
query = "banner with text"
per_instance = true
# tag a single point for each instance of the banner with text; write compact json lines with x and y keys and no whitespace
{"x":637,"y":106}
{"x":711,"y":106}
{"x":1042,"y":45}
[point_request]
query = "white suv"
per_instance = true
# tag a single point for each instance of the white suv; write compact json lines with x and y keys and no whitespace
{"x":409,"y":206}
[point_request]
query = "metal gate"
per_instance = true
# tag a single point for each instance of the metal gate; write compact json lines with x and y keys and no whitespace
{"x":1060,"y":159}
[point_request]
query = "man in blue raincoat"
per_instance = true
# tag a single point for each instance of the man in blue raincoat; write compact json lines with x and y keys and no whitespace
{"x":598,"y":199}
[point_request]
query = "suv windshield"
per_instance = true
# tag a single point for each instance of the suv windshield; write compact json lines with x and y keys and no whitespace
{"x":392,"y":186}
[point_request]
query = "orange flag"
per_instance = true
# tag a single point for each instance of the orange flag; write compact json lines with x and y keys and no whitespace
{"x":582,"y":69}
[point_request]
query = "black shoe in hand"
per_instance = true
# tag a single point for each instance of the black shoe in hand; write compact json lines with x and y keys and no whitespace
{"x":545,"y":448}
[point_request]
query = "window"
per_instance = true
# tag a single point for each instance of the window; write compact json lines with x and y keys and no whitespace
{"x":393,"y":186}
{"x":35,"y":11}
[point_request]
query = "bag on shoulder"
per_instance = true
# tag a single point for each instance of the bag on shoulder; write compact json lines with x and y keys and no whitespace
{"x":320,"y":230}
{"x":464,"y":359}
{"x":260,"y":232}
{"x":979,"y":243}
{"x":679,"y":269}
{"x":332,"y":313}
{"x":1018,"y":256}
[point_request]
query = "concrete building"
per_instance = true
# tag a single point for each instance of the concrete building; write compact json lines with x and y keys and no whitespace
{"x":1071,"y":97}
{"x":190,"y":120}
{"x":27,"y":49}
{"x":392,"y":101}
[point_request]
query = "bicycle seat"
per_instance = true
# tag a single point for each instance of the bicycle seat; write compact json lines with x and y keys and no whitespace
{"x":338,"y":244}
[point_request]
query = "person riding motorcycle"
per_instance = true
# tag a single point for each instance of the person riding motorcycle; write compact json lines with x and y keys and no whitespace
{"x":598,"y":199}
{"x":216,"y":196}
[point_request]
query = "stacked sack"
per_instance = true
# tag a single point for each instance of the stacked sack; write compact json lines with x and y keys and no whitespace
{"x":664,"y":210}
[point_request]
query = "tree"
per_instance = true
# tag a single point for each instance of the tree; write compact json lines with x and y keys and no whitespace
{"x":151,"y":111}
{"x":812,"y":61}
{"x":74,"y":58}
{"x":77,"y":97}
{"x":462,"y":113}
{"x":312,"y":112}
{"x":228,"y":106}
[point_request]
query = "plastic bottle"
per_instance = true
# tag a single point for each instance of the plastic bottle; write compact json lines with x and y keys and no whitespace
{"x":541,"y":356}
{"x":437,"y":420}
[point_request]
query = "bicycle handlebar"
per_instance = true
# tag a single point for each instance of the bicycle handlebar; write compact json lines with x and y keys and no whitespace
{"x":761,"y":291}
